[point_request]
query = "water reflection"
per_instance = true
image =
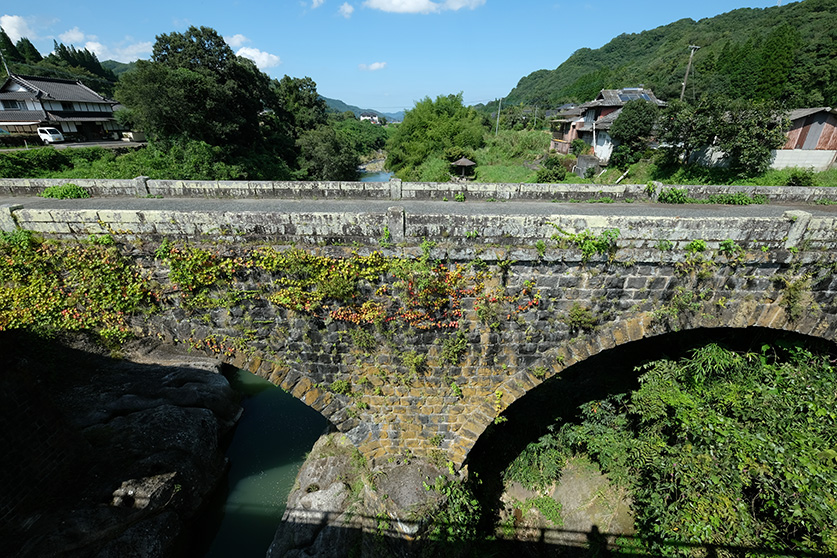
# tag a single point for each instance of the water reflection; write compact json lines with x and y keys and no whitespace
{"x":274,"y":435}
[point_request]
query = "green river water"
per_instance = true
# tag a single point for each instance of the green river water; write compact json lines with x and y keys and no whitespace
{"x":270,"y":442}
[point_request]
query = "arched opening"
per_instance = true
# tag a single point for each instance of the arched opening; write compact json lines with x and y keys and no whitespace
{"x":608,"y":373}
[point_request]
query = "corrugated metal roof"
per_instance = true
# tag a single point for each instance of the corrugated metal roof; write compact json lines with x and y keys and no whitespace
{"x":803,"y":112}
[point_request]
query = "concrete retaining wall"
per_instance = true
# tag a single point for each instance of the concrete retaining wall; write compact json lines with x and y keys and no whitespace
{"x":816,"y":159}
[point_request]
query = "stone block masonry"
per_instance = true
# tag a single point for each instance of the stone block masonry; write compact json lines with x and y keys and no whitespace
{"x":394,"y":190}
{"x":515,"y":332}
{"x":465,"y":232}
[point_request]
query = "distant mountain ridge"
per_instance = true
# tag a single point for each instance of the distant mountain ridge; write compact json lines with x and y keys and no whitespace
{"x":784,"y":53}
{"x":340,"y":106}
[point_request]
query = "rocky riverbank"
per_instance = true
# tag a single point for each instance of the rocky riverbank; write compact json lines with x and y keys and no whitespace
{"x":107,"y":457}
{"x":340,"y":507}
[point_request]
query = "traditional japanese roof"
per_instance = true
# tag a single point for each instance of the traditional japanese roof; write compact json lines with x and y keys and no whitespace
{"x":74,"y":116}
{"x":54,"y":89}
{"x":20,"y":117}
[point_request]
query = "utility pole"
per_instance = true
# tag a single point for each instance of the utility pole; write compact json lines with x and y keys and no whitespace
{"x":497,"y":129}
{"x":3,"y":58}
{"x":688,"y":67}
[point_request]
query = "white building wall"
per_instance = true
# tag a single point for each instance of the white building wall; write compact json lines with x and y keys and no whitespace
{"x":818,"y":160}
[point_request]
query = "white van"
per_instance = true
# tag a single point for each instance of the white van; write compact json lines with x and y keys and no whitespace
{"x":50,"y":135}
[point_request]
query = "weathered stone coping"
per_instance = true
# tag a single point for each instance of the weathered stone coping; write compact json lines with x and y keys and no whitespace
{"x":394,"y":190}
{"x":396,"y":227}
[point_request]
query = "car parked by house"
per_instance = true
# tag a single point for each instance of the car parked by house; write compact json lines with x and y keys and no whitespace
{"x":50,"y":135}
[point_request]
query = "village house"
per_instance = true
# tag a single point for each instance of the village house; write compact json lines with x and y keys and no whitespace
{"x":812,"y":140}
{"x":29,"y":102}
{"x":591,"y":121}
{"x":370,"y":117}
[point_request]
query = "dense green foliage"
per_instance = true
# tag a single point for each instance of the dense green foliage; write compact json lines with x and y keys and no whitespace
{"x":181,"y":160}
{"x":50,"y":288}
{"x":65,"y":192}
{"x":784,"y":53}
{"x":433,"y":135}
{"x":633,"y":129}
{"x":744,"y":132}
{"x":720,"y":448}
{"x":196,"y":88}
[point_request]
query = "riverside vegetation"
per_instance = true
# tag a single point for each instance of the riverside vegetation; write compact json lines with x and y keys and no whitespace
{"x":756,"y":430}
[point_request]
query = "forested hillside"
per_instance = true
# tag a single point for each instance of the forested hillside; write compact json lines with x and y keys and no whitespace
{"x":785,"y":53}
{"x":63,"y":62}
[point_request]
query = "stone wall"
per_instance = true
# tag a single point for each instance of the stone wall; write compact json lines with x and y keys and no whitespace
{"x":393,"y":410}
{"x":794,"y":229}
{"x":393,"y":190}
{"x":765,"y":272}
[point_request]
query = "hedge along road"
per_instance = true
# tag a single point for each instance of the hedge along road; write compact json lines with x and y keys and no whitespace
{"x":429,"y":207}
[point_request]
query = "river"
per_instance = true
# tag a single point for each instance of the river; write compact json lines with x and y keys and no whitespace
{"x":270,"y":443}
{"x":379,"y":176}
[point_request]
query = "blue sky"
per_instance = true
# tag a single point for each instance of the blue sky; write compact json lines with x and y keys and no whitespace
{"x":378,"y":54}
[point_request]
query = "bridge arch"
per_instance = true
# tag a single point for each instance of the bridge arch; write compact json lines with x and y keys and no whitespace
{"x":648,"y":325}
{"x":609,"y":372}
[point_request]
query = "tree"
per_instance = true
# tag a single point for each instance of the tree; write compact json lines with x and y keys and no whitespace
{"x":428,"y":129}
{"x":7,"y":47}
{"x":747,"y":132}
{"x":324,"y":157}
{"x":743,"y":131}
{"x":686,"y":127}
{"x":196,"y":88}
{"x":633,"y":129}
{"x":299,"y":101}
{"x":28,"y":51}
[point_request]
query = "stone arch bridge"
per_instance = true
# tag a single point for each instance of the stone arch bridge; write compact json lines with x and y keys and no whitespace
{"x":520,"y":291}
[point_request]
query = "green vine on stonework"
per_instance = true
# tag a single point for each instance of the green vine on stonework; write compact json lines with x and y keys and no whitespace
{"x":589,"y":242}
{"x":51,"y":287}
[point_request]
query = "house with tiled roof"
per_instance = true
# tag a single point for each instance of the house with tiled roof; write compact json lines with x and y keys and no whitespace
{"x":591,"y":121}
{"x":27,"y":102}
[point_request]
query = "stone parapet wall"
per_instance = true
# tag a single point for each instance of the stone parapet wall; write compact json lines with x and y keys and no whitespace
{"x":393,"y":190}
{"x":795,"y":229}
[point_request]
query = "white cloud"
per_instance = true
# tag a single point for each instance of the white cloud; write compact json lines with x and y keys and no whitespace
{"x":262,"y":59}
{"x":73,"y":36}
{"x":122,"y":53}
{"x":373,"y":67}
{"x":16,"y":27}
{"x":316,"y":4}
{"x":237,"y":40}
{"x":421,"y":6}
{"x":346,"y":10}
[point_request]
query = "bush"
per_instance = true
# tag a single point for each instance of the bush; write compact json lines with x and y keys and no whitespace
{"x":801,"y":177}
{"x":578,"y":147}
{"x":65,"y":192}
{"x":673,"y":195}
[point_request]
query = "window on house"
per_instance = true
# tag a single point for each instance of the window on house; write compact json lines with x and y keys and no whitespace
{"x":66,"y":105}
{"x":13,"y":105}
